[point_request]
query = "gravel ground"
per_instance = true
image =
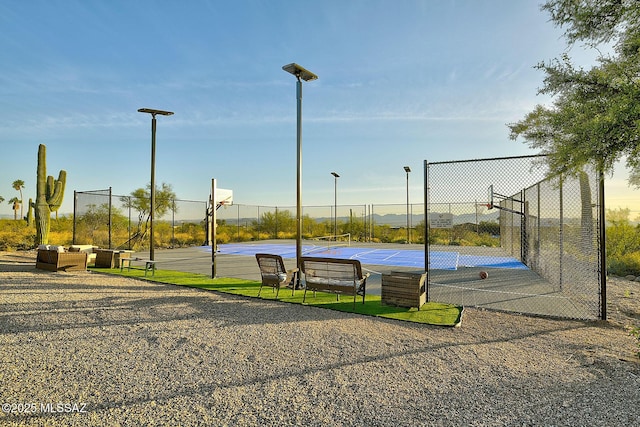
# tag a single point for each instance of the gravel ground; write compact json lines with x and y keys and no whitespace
{"x":89,"y":349}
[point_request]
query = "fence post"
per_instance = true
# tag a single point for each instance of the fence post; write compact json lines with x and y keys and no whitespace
{"x":426,"y":226}
{"x":173,"y":222}
{"x":109,"y":220}
{"x":603,"y":247}
{"x":75,"y":215}
{"x":561,"y":233}
{"x":129,"y":224}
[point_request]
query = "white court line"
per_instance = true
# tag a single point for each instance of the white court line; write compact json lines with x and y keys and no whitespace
{"x":314,"y":248}
{"x":466,"y":288}
{"x":391,"y":256}
{"x":373,"y":271}
{"x":359,"y":254}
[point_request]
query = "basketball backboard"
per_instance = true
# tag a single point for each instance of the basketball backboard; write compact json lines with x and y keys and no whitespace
{"x":223,"y":197}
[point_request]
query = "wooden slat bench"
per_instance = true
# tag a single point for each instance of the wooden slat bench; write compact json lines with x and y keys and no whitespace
{"x":334,"y":275}
{"x":148,"y":264}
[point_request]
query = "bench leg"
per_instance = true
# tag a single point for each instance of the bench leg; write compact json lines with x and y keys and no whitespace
{"x":150,"y":266}
{"x":124,"y":261}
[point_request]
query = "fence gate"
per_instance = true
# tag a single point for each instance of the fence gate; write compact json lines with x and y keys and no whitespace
{"x":539,"y":239}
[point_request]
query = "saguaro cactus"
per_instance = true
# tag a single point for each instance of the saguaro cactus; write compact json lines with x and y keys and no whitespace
{"x":29,"y":217}
{"x":49,"y":197}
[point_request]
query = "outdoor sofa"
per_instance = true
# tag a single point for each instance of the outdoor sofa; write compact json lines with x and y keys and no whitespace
{"x":57,"y":258}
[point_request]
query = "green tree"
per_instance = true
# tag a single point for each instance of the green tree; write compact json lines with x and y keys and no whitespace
{"x":16,"y":206}
{"x":18,"y":185}
{"x":595,"y":113}
{"x":140,"y":201}
{"x":88,"y":223}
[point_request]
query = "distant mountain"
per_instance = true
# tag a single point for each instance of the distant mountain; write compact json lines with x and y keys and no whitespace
{"x":399,"y":220}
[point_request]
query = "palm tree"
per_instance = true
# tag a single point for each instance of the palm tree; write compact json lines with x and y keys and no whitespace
{"x":16,"y":206}
{"x":18,"y":185}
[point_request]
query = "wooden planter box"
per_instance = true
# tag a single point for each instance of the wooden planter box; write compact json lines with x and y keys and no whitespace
{"x":404,"y":289}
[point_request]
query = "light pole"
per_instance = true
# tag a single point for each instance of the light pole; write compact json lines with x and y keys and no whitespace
{"x":306,"y":75}
{"x":407,"y":169}
{"x":153,"y":171}
{"x":335,"y":205}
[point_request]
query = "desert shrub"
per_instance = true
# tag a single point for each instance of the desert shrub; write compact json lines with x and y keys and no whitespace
{"x":624,"y":264}
{"x":243,"y":235}
{"x":289,"y":235}
{"x":622,"y":244}
{"x":61,"y":237}
{"x":16,"y":235}
{"x":222,"y":238}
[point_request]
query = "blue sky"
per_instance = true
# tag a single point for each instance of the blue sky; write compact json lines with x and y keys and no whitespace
{"x":399,"y":82}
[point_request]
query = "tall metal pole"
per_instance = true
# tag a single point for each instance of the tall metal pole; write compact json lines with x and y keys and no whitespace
{"x":335,"y":209}
{"x":75,"y":215}
{"x":407,"y":169}
{"x":335,"y":205}
{"x":153,"y":185}
{"x":214,"y":222}
{"x":110,"y":218}
{"x":299,"y":173}
{"x":301,"y":74}
{"x":152,"y":208}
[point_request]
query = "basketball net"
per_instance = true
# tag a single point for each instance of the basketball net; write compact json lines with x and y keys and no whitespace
{"x":481,"y":208}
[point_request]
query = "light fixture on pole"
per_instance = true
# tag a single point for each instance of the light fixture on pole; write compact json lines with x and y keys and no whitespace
{"x":407,"y":169}
{"x":335,"y":205}
{"x":301,"y":74}
{"x":153,"y":171}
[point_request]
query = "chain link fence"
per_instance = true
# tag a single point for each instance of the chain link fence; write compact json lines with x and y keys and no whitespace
{"x":383,"y":223}
{"x":121,"y":222}
{"x":103,"y":219}
{"x":538,"y":239}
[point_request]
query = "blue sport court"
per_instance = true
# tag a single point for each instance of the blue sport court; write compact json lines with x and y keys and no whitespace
{"x":377,"y":256}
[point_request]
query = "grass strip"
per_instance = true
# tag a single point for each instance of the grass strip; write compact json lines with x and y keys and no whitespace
{"x":431,"y":313}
